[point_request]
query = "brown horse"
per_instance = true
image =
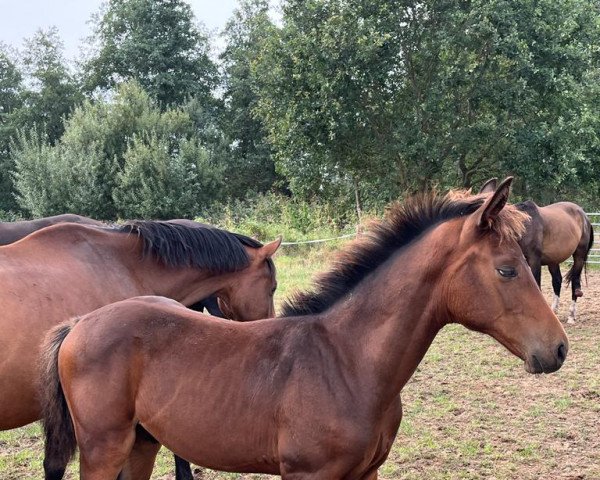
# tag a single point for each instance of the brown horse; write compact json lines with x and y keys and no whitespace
{"x":553,"y":234}
{"x":12,"y":231}
{"x":313,"y":395}
{"x":70,"y":269}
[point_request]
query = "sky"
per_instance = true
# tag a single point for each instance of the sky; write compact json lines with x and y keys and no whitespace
{"x":21,"y":18}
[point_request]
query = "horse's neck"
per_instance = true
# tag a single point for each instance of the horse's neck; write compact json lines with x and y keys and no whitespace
{"x":187,"y":285}
{"x":115,"y":256}
{"x":390,"y":320}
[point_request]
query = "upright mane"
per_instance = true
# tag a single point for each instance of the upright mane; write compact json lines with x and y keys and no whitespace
{"x":403,"y":223}
{"x":192,"y":244}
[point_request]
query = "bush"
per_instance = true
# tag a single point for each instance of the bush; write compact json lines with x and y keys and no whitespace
{"x":51,"y":180}
{"x":264,"y":216}
{"x":158,"y":183}
{"x":123,"y":157}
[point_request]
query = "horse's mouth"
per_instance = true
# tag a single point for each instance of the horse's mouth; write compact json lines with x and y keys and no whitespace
{"x":536,"y":366}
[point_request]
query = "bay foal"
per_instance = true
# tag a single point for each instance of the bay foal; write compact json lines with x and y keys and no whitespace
{"x":313,"y":395}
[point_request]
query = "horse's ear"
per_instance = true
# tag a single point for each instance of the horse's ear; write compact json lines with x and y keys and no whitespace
{"x":489,"y":186}
{"x":269,"y":249}
{"x":489,"y":211}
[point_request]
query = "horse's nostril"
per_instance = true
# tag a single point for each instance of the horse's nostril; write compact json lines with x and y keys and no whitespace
{"x":562,"y":353}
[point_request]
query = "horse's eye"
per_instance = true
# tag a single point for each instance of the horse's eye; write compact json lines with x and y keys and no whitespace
{"x":507,"y":272}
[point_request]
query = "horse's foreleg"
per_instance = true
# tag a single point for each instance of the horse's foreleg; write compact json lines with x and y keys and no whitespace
{"x":554,"y":269}
{"x":183,"y":470}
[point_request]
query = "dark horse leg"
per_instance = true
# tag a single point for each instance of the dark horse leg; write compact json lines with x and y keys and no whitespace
{"x":535,"y":263}
{"x":574,"y":276}
{"x":183,"y":470}
{"x":554,"y":269}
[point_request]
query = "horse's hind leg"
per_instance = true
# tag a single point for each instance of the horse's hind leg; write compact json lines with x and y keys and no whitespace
{"x":141,"y":460}
{"x":574,"y":276}
{"x":554,"y":269}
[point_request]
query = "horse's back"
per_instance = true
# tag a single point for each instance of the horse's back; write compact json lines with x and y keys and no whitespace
{"x":13,"y":231}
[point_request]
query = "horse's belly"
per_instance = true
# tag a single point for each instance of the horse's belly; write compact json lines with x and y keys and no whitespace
{"x":559,"y":245}
{"x":221,"y":449}
{"x":18,"y":396}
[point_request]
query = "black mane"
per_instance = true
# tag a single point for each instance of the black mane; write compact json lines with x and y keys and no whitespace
{"x":192,"y":244}
{"x":403,"y":224}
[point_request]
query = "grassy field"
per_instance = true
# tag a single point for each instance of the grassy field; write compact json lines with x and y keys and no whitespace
{"x":470,"y":411}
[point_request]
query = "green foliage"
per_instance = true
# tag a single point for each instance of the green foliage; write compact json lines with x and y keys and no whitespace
{"x":51,"y":180}
{"x":265,"y":216}
{"x":250,"y":153}
{"x":154,"y":42}
{"x":122,"y":157}
{"x":160,"y":182}
{"x":394,"y":97}
{"x":348,"y":104}
{"x":39,"y":95}
{"x":11,"y":87}
{"x":52,"y":91}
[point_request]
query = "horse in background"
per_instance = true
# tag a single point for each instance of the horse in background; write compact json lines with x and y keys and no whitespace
{"x":10,"y":232}
{"x":311,"y":395}
{"x":553,"y":234}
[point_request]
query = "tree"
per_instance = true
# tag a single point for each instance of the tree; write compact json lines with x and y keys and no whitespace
{"x":391,"y":97}
{"x":54,"y":179}
{"x":325,"y":94}
{"x":154,"y":42}
{"x":11,"y":88}
{"x":250,"y":152}
{"x":52,"y":91}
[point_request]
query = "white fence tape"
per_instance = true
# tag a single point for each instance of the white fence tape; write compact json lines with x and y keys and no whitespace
{"x":321,"y":240}
{"x":594,"y":256}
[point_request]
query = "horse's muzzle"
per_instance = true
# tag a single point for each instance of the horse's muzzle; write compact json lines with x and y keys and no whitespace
{"x":539,"y":363}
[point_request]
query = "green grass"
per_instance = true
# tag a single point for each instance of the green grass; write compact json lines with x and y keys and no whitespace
{"x":470,"y":410}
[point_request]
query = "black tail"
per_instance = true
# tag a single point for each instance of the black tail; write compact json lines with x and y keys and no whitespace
{"x":58,"y":426}
{"x":569,"y":275}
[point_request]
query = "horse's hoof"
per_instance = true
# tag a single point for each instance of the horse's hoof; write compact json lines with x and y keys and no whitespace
{"x":571,"y":321}
{"x":578,"y":293}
